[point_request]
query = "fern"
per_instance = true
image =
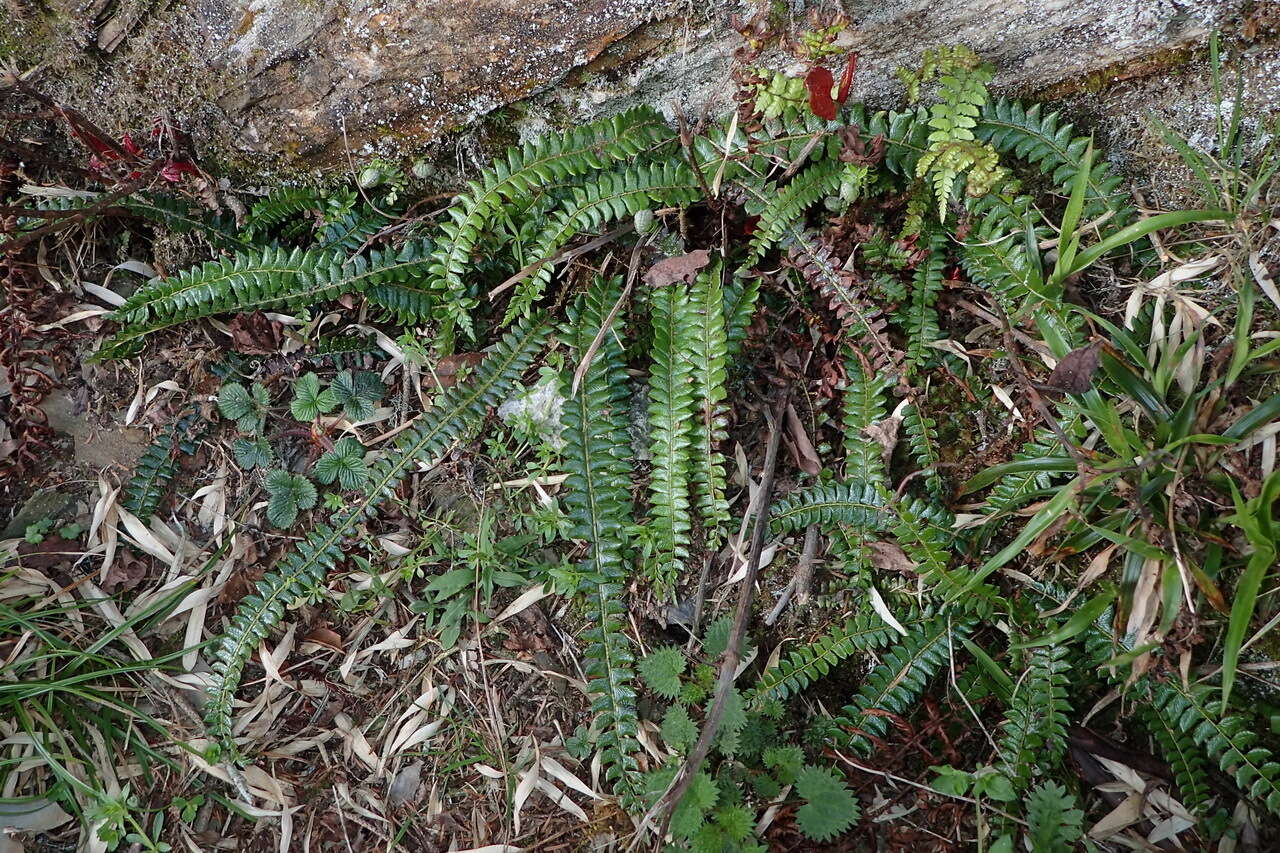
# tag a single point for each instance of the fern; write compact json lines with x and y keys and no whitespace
{"x":926,"y":535}
{"x":740,"y":296}
{"x":614,"y":195}
{"x":920,"y":317}
{"x":785,"y":206}
{"x":1228,"y":740}
{"x":863,"y":407}
{"x":671,"y":411}
{"x":708,"y":426}
{"x":350,"y":231}
{"x":1043,"y":140}
{"x":860,"y":505}
{"x":953,"y":149}
{"x":158,"y":465}
{"x":269,"y":279}
{"x":1054,"y":823}
{"x":922,"y":439}
{"x":1034,"y":732}
{"x":280,"y":206}
{"x":1001,"y":252}
{"x":176,"y":215}
{"x":301,"y":571}
{"x":813,"y":660}
{"x":598,"y":507}
{"x":899,"y":678}
{"x":1184,"y":757}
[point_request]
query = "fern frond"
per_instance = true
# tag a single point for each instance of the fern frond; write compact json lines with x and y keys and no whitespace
{"x":1228,"y":740}
{"x":900,"y":677}
{"x":611,"y":196}
{"x":297,"y":575}
{"x":1001,"y":251}
{"x":906,"y":135}
{"x":671,"y":441}
{"x":920,"y":316}
{"x":349,"y":232}
{"x":269,"y":279}
{"x":157,"y":466}
{"x":709,"y":424}
{"x":1034,"y":732}
{"x":1013,"y":490}
{"x":860,"y":505}
{"x":813,"y":660}
{"x":863,"y":321}
{"x":922,"y":439}
{"x":926,"y":534}
{"x":1043,"y":140}
{"x":523,"y":172}
{"x":1184,"y":757}
{"x":176,"y":215}
{"x":595,"y":429}
{"x":785,"y":206}
{"x":280,"y":205}
{"x":863,"y":405}
{"x":740,"y":296}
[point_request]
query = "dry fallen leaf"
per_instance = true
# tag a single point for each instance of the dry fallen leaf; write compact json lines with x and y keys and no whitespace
{"x":680,"y":268}
{"x":887,"y":556}
{"x":1074,"y":374}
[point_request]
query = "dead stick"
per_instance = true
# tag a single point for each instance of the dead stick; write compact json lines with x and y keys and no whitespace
{"x":733,"y":654}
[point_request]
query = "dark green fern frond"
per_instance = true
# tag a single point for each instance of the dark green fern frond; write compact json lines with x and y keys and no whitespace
{"x":611,"y":196}
{"x":1228,"y":740}
{"x":920,"y":317}
{"x":740,"y":296}
{"x":512,"y":180}
{"x":906,"y":136}
{"x":158,"y":465}
{"x":298,"y":574}
{"x":709,"y":422}
{"x":281,"y":205}
{"x":1043,"y":140}
{"x":1033,"y":736}
{"x":270,"y":279}
{"x":863,"y":406}
{"x":922,"y":439}
{"x":179,"y":217}
{"x":671,"y":411}
{"x":853,"y":503}
{"x":1183,"y":755}
{"x":899,"y":679}
{"x":813,"y":660}
{"x":926,"y":534}
{"x":595,"y":427}
{"x":350,"y":231}
{"x":1001,"y":251}
{"x":785,"y":206}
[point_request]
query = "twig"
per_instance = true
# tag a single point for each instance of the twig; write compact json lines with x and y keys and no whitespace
{"x":798,"y":586}
{"x":733,"y":653}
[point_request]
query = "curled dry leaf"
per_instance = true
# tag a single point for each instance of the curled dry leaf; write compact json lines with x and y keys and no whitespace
{"x":1074,"y":374}
{"x":680,"y":268}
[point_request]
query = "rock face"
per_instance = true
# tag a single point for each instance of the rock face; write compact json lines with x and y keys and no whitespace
{"x":309,"y":80}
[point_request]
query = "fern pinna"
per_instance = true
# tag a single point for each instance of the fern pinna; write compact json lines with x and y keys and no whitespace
{"x":598,"y":506}
{"x":305,"y":567}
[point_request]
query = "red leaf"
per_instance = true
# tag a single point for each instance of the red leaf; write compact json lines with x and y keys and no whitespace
{"x":175,"y":169}
{"x":129,"y":145}
{"x":819,"y":82}
{"x":846,"y":80}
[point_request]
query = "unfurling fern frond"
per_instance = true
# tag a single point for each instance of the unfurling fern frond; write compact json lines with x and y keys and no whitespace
{"x":1034,"y":733}
{"x":299,"y":573}
{"x":1227,"y":740}
{"x":611,"y":196}
{"x":1183,"y":755}
{"x":671,"y":409}
{"x":270,"y":279}
{"x":595,"y":427}
{"x":812,"y":661}
{"x":709,"y":422}
{"x":920,"y":316}
{"x":514,"y":179}
{"x":900,"y":677}
{"x":157,"y":466}
{"x":785,"y":206}
{"x":863,"y":407}
{"x":852,"y":503}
